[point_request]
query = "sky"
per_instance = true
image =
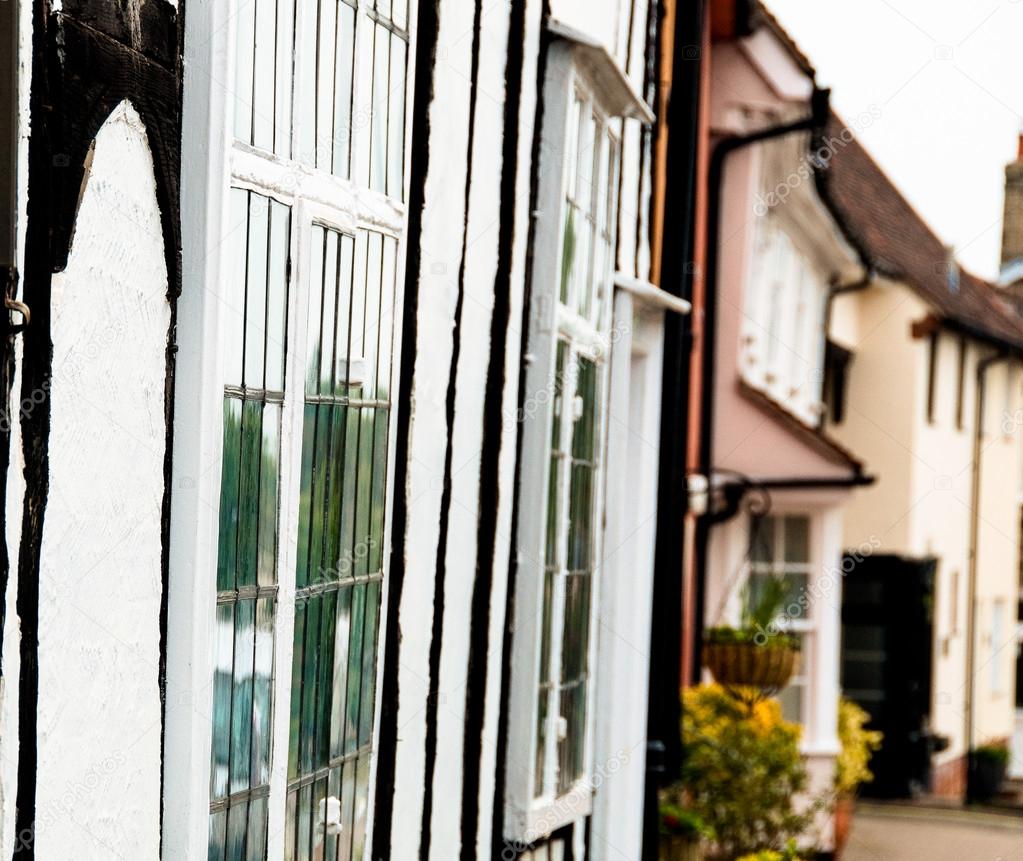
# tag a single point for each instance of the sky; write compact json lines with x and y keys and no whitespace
{"x":945,"y":80}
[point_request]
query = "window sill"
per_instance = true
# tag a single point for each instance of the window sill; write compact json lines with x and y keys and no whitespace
{"x":543,"y":818}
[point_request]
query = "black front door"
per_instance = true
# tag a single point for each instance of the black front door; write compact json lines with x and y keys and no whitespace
{"x":887,"y":605}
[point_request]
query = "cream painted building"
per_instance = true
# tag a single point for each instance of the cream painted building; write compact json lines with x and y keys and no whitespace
{"x":930,"y":395}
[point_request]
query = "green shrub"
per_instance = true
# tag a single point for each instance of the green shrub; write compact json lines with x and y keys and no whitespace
{"x":858,"y":745}
{"x":741,"y":771}
{"x":995,"y":753}
{"x":787,"y":854}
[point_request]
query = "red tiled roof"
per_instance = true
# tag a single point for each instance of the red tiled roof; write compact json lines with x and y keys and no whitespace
{"x":898,"y":243}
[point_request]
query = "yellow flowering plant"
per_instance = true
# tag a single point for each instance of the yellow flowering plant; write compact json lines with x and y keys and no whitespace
{"x":742,"y":771}
{"x":858,"y":745}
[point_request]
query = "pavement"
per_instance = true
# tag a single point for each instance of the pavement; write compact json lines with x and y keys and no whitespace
{"x":892,"y":833}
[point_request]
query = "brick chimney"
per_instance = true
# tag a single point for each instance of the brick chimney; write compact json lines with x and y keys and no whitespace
{"x":1012,"y":226}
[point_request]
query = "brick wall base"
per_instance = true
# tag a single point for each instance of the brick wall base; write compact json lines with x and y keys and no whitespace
{"x":948,"y":780}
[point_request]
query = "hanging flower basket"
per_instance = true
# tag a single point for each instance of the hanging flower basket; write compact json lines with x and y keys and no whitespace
{"x":766,"y":667}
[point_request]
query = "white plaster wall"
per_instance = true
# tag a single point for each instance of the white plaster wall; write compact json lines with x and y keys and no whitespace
{"x":484,"y":220}
{"x":438,"y":281}
{"x":100,"y":583}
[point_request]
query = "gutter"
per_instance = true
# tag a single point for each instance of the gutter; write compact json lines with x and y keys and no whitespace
{"x":971,"y":596}
{"x":814,"y":123}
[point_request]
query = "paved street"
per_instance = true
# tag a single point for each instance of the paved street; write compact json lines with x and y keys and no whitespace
{"x":918,"y":835}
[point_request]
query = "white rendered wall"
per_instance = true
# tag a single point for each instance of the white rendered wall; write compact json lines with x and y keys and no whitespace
{"x":100,"y":583}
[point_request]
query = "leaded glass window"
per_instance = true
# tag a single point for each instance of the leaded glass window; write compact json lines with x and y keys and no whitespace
{"x":340,"y":537}
{"x":300,"y":66}
{"x":248,"y":532}
{"x":307,"y":337}
{"x":572,"y":539}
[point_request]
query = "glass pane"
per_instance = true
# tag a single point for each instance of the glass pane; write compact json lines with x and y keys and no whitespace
{"x":571,"y":747}
{"x":223,"y":663}
{"x":241,"y":704}
{"x":369,"y":663}
{"x":218,"y":836}
{"x":269,"y":470}
{"x":283,"y":76}
{"x":230,"y":478}
{"x":381,"y":100}
{"x":543,"y":697}
{"x":396,"y":119}
{"x":361,"y":808}
{"x":343,"y":76}
{"x":339,"y":692}
{"x":580,"y":513}
{"x":248,"y":519}
{"x":261,"y":692}
{"x":797,"y":539}
{"x":577,"y":628}
{"x":326,"y":28}
{"x":255,"y":291}
{"x":245,"y":52}
{"x":264,"y":82}
{"x":353,"y":702}
{"x":237,"y":828}
{"x":256,"y":841}
{"x":277,"y":296}
{"x":347,"y":810}
{"x":233,"y":306}
{"x":762,"y":540}
{"x":791,"y":700}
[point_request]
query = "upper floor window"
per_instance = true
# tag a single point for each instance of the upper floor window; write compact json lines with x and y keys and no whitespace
{"x":308,"y":337}
{"x":560,"y":540}
{"x":322,"y":83}
{"x":783,"y":322}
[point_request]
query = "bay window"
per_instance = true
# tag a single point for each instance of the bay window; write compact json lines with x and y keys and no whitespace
{"x":306,"y":339}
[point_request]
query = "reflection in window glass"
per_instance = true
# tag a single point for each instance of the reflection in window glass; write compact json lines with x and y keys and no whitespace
{"x":264,"y":42}
{"x":389,"y":69}
{"x":341,"y":536}
{"x":326,"y":62}
{"x":256,"y":309}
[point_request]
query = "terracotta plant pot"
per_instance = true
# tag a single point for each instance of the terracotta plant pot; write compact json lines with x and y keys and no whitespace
{"x":747,"y":665}
{"x":845,"y":807}
{"x":675,"y":848}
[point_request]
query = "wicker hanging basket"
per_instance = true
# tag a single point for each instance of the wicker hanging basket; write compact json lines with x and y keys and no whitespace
{"x":766,"y":668}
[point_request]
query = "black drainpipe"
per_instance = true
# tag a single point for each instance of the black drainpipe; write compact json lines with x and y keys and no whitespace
{"x":8,"y":261}
{"x":814,"y":122}
{"x":664,"y":743}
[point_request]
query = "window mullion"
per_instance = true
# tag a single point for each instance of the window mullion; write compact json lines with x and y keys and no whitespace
{"x":291,"y":449}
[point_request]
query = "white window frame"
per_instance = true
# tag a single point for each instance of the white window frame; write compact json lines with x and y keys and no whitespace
{"x":805,"y":626}
{"x":783,"y":335}
{"x":214,"y":163}
{"x":575,"y":64}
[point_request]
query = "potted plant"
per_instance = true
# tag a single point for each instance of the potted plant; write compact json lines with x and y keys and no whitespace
{"x":755,"y":654}
{"x":682,"y":833}
{"x":851,"y":767}
{"x":988,"y":764}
